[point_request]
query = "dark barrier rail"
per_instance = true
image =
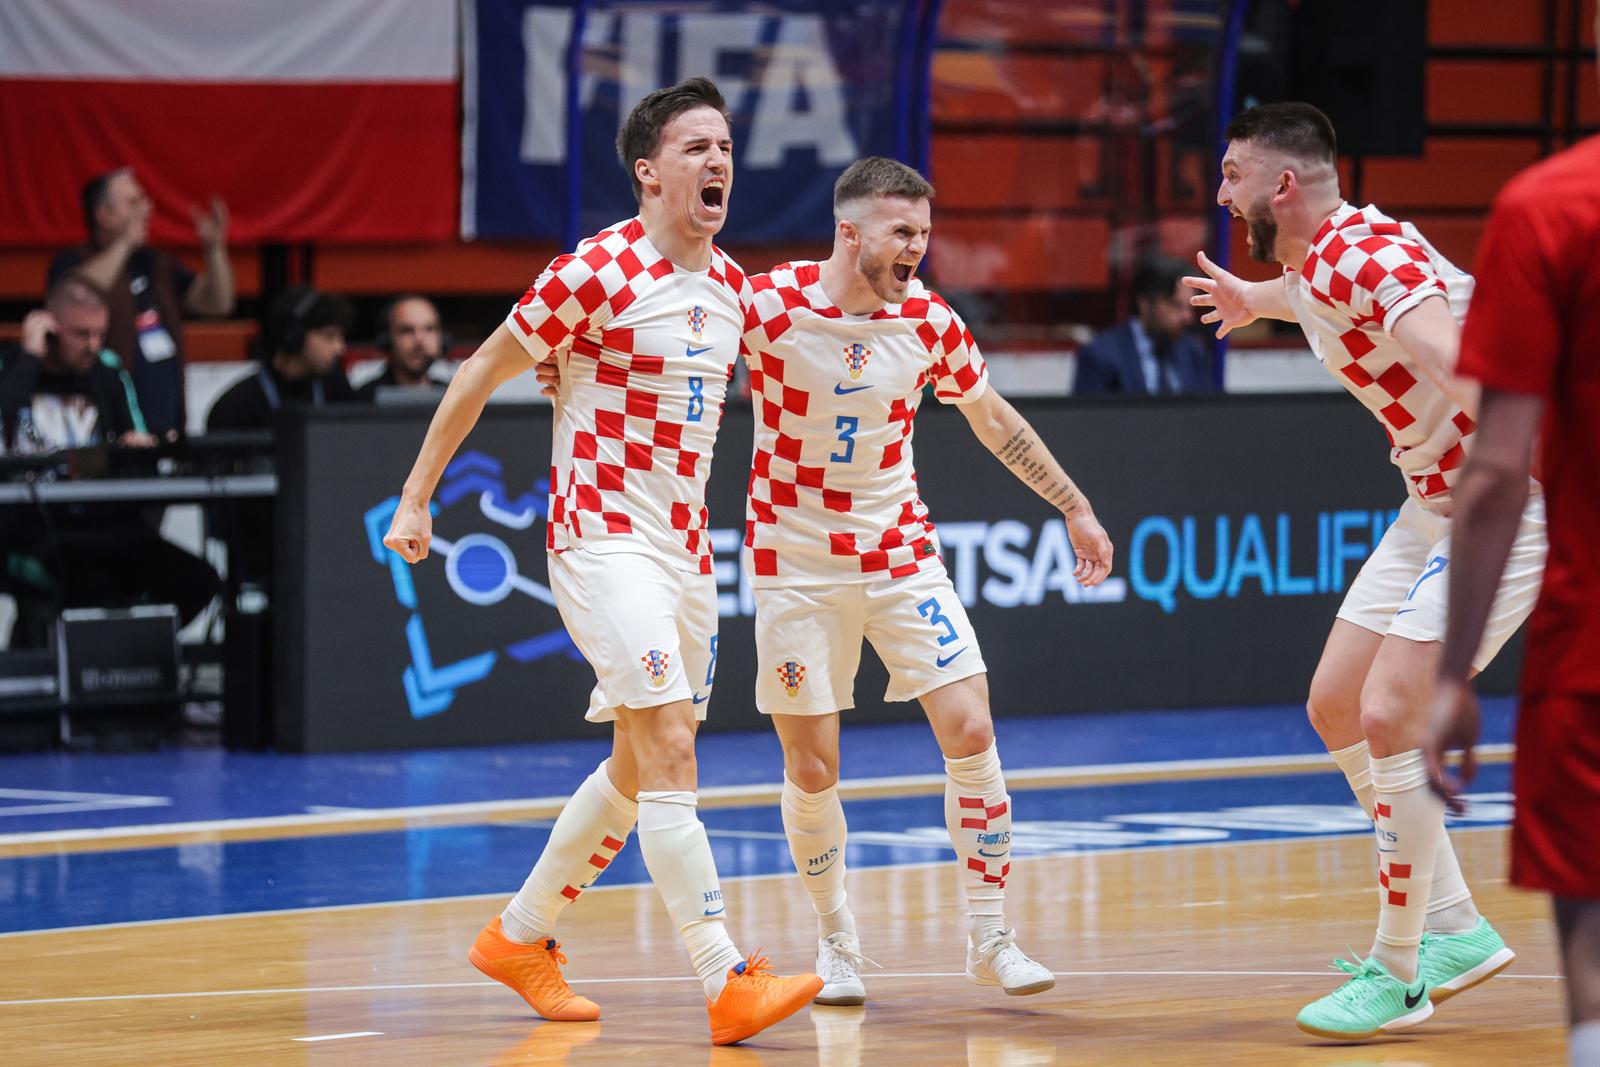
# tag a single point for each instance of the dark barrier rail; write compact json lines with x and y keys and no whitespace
{"x":1238,"y":524}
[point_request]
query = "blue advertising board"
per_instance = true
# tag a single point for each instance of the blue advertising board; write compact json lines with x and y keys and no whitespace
{"x":1239,"y":523}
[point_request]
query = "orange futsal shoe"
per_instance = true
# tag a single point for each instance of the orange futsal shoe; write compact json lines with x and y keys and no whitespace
{"x":533,"y":972}
{"x":755,"y":998}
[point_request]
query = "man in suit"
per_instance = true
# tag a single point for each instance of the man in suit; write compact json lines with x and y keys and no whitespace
{"x":1153,"y":352}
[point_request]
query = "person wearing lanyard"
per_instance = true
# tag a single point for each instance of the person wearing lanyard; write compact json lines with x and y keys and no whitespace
{"x":304,"y":343}
{"x":61,"y":388}
{"x":149,"y":292}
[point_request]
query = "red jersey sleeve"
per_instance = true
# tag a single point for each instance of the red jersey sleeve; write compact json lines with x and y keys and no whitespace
{"x":1512,"y":337}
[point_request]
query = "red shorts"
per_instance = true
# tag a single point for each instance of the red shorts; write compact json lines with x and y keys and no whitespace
{"x":1555,"y":841}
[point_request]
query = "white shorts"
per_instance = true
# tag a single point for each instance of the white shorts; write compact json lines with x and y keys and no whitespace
{"x":808,"y":641}
{"x":1404,"y":585}
{"x":648,"y":629}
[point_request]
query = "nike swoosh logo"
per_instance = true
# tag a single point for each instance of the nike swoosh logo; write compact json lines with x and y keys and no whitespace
{"x":1402,"y":611}
{"x":1382,"y":849}
{"x":945,"y":661}
{"x":1413,"y":1001}
{"x":990,"y":855}
{"x":842,"y":391}
{"x":698,"y":699}
{"x":719,"y":911}
{"x":819,"y":870}
{"x":691,"y":351}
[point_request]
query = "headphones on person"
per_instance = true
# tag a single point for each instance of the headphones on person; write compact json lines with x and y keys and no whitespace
{"x":383,"y":341}
{"x":294,"y":331}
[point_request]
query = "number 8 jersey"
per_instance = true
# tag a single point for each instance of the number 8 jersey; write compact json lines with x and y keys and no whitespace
{"x":833,"y":492}
{"x":646,"y":350}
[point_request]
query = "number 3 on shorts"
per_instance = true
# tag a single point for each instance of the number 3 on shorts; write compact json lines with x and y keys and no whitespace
{"x":929,"y":609}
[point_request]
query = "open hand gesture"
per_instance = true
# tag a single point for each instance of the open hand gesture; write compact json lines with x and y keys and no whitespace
{"x":1224,"y":293}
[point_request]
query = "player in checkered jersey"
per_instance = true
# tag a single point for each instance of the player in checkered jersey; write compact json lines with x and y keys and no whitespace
{"x":1381,"y":309}
{"x":839,"y":547}
{"x":644,"y":319}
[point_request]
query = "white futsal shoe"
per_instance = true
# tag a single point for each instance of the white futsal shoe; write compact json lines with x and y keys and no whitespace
{"x":997,"y":960}
{"x":839,"y":962}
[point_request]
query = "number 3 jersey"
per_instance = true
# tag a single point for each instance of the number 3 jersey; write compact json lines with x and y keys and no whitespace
{"x":646,"y":350}
{"x":833,"y":492}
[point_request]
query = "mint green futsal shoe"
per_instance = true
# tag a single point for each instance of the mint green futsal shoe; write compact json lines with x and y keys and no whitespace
{"x":1454,"y":963}
{"x":1371,"y":1002}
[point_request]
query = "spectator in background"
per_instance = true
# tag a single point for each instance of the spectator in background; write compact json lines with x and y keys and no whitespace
{"x":411,"y":340}
{"x":304,"y":341}
{"x":61,"y":388}
{"x":148,"y":291}
{"x":1155,"y":351}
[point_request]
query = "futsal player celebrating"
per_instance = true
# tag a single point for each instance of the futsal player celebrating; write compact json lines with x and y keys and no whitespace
{"x":645,"y":319}
{"x":838,"y":547}
{"x":1381,"y":310}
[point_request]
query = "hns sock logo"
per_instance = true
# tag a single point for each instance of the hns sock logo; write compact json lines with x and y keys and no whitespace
{"x":856,"y":355}
{"x":697,"y":321}
{"x":656,"y":663}
{"x":791,"y":673}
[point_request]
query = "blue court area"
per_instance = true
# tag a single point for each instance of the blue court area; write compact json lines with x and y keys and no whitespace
{"x":44,"y":794}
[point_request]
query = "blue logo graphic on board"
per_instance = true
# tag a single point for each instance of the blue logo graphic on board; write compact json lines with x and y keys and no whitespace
{"x":480,"y":569}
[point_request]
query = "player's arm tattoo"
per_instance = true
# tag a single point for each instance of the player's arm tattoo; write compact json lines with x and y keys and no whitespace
{"x":1025,"y":454}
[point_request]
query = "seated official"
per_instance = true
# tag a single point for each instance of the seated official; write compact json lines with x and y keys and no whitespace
{"x":413,"y":344}
{"x":1156,"y":351}
{"x":62,"y":388}
{"x":304,"y":342}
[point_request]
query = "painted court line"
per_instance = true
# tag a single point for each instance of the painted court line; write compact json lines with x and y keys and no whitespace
{"x":616,"y":887}
{"x":402,"y":987}
{"x":766,"y":795}
{"x":340,"y":1037}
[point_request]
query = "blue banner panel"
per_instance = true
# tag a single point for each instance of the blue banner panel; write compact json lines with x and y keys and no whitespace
{"x":1239,"y":523}
{"x":812,"y":86}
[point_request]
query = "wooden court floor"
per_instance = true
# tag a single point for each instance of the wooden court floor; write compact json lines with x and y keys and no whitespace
{"x":1192,"y":955}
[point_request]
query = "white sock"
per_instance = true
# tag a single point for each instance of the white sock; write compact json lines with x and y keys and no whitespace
{"x":1583,"y":1045}
{"x":1450,"y":907}
{"x":1409,"y":820}
{"x":588,"y":834}
{"x":815,"y":826}
{"x":977,"y":812}
{"x":678,"y":857}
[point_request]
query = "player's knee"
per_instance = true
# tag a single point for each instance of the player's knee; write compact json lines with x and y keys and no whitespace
{"x":1317,"y":712}
{"x":970,"y":736}
{"x":666,"y":748}
{"x":811,"y":771}
{"x":1385,"y":720}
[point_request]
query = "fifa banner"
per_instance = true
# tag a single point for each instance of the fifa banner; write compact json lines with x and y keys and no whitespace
{"x":812,"y":86}
{"x":1238,"y":525}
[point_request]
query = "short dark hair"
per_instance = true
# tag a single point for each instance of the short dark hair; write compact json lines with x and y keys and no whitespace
{"x":640,"y":137}
{"x":1290,"y":127}
{"x":299,"y":310}
{"x":73,"y":290}
{"x":879,"y":176}
{"x":94,"y":193}
{"x":1158,"y":276}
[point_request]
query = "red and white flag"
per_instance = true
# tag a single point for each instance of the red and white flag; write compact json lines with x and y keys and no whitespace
{"x":332,"y":120}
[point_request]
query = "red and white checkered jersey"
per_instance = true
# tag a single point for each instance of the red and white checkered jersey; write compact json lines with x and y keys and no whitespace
{"x":833,"y":493}
{"x":646,"y":350}
{"x":1365,"y":271}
